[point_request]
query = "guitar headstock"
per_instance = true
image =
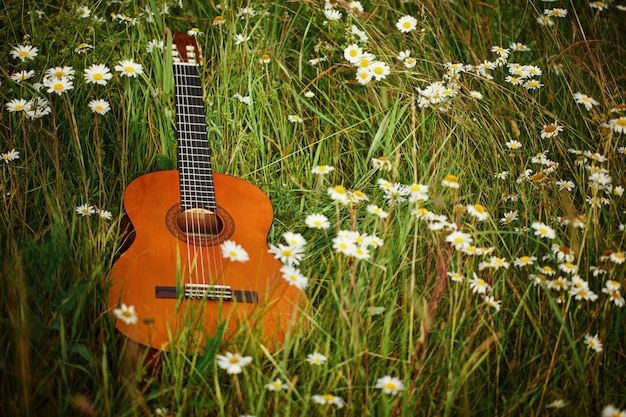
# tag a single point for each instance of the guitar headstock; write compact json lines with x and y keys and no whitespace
{"x":185,"y":48}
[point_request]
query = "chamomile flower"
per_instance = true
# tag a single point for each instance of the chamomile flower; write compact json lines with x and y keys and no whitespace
{"x":317,"y":221}
{"x":17,"y":104}
{"x":129,"y":68}
{"x":10,"y":156}
{"x":450,"y":181}
{"x":513,"y":144}
{"x":344,"y":244}
{"x":556,"y":12}
{"x":490,"y":301}
{"x":22,"y":75}
{"x":406,"y":24}
{"x":390,"y":385}
{"x":332,"y":14}
{"x":194,"y":32}
{"x":568,"y":268}
{"x":83,"y":12}
{"x":294,"y":277}
{"x":294,"y":118}
{"x":233,"y":363}
{"x":353,"y":53}
{"x":97,"y":74}
{"x":99,"y":106}
{"x":476,"y":94}
{"x":374,"y":209}
{"x":83,"y":48}
{"x":524,"y":261}
{"x":617,"y":257}
{"x":618,"y":125}
{"x":85,"y":210}
{"x":610,"y":410}
{"x":234,"y":251}
{"x":551,"y":130}
{"x":478,"y":211}
{"x":58,"y":85}
{"x":287,"y":254}
{"x":519,"y":47}
{"x":24,"y":52}
{"x":459,"y":239}
{"x":509,"y":217}
{"x":556,"y":404}
{"x":364,"y":75}
{"x":60,"y":72}
{"x":479,"y":285}
{"x":104,"y":214}
{"x":322,"y":169}
{"x":382,"y":163}
{"x":456,"y":276}
{"x":593,"y":343}
{"x":582,"y":293}
{"x":532,"y":85}
{"x":600,"y":5}
{"x":316,"y":359}
{"x":277,"y":385}
{"x":329,"y":399}
{"x":585,"y":100}
{"x":379,"y":70}
{"x":294,"y":239}
{"x":338,"y":193}
{"x":545,"y":21}
{"x":126,"y":313}
{"x":543,"y":230}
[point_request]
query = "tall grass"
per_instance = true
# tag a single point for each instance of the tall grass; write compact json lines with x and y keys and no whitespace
{"x":397,"y":313}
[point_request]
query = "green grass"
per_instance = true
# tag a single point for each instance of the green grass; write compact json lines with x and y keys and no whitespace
{"x":397,"y":313}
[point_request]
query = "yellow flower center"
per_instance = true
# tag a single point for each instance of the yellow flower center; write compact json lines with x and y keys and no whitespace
{"x":390,"y":386}
{"x":328,"y":397}
{"x":479,"y":208}
{"x":59,"y":87}
{"x":98,"y":76}
{"x":621,"y":122}
{"x":19,"y":107}
{"x":24,"y":53}
{"x":524,"y":259}
{"x":232,"y":253}
{"x":129,"y":68}
{"x":339,"y":189}
{"x":234,"y":360}
{"x":286,"y":252}
{"x":406,"y":25}
{"x":379,"y":70}
{"x":100,"y":108}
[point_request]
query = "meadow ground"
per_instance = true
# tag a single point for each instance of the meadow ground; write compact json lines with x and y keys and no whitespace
{"x":447,"y":180}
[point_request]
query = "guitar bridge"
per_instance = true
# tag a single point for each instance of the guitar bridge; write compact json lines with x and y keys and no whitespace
{"x":208,"y":292}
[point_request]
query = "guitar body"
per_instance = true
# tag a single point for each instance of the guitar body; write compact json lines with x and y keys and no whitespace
{"x":152,"y":274}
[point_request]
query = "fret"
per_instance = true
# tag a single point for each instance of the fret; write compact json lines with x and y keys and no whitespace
{"x":210,"y":175}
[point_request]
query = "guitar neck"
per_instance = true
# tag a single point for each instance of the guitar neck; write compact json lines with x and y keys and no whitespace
{"x":194,"y":155}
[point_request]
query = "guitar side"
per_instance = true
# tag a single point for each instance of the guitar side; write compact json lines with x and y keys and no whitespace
{"x":161,"y":258}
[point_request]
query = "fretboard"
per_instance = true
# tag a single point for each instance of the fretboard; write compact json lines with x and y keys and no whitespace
{"x":194,"y":154}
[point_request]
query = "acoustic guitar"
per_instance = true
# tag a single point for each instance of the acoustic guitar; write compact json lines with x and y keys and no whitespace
{"x":173,"y":273}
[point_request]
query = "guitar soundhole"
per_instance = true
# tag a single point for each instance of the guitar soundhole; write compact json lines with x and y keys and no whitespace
{"x":199,"y":222}
{"x":199,"y":226}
